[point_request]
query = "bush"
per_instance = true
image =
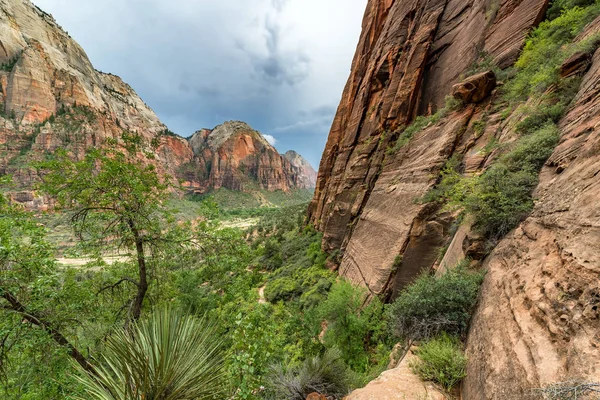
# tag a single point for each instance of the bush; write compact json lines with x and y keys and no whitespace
{"x":442,"y":361}
{"x":350,"y":324}
{"x":544,"y":51}
{"x":324,"y":374}
{"x":501,"y":198}
{"x":432,"y":305}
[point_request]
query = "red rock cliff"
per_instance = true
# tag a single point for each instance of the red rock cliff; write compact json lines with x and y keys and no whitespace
{"x":237,"y":157}
{"x":537,"y":321}
{"x":409,"y":55}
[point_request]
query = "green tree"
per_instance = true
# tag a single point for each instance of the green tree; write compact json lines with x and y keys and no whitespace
{"x":38,"y":307}
{"x":118,"y":200}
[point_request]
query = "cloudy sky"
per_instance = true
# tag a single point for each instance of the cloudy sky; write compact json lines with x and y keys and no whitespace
{"x":279,"y":65}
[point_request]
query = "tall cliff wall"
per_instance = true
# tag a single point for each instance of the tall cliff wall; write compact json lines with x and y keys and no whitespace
{"x":537,"y":321}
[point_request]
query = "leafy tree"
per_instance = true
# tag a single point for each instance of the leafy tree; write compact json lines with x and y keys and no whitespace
{"x":37,"y":307}
{"x":170,"y":356}
{"x":117,"y":201}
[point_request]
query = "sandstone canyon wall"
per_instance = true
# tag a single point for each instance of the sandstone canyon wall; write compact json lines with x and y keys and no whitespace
{"x":51,"y":97}
{"x":409,"y":55}
{"x":537,"y":322}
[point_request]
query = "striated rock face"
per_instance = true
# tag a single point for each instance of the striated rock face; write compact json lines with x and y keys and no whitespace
{"x":538,"y":319}
{"x":409,"y":56}
{"x":305,"y":171}
{"x":541,"y":297}
{"x":51,"y":97}
{"x":237,"y":157}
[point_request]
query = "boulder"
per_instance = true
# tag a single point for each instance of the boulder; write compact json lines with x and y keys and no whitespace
{"x":316,"y":396}
{"x":475,"y":88}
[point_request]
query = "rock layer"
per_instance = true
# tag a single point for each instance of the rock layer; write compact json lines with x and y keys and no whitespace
{"x":409,"y":56}
{"x":541,"y":297}
{"x":237,"y":157}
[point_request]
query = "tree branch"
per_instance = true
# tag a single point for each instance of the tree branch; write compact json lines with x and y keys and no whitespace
{"x":58,"y":337}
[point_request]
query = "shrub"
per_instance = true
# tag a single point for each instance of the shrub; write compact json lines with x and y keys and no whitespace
{"x":351,"y":324}
{"x":442,"y":361}
{"x":544,"y":51}
{"x":432,"y":305}
{"x":324,"y":374}
{"x":501,"y":198}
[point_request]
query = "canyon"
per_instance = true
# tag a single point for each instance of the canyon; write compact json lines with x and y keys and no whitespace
{"x":52,"y":98}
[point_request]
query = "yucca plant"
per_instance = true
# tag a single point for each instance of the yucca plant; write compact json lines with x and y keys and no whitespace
{"x":170,"y":356}
{"x":324,"y":374}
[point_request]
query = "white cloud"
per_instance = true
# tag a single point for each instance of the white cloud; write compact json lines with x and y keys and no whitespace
{"x":271,"y":139}
{"x":199,"y":63}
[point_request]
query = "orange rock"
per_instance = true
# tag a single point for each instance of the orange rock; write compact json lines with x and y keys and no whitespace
{"x":409,"y":56}
{"x":316,"y":396}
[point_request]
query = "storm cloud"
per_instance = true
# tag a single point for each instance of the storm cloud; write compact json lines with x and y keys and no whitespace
{"x":279,"y":65}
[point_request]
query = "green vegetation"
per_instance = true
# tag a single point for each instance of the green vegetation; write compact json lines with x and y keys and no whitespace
{"x":405,"y":134}
{"x":500,"y":198}
{"x":433,"y":305}
{"x":114,"y":199}
{"x":10,"y":64}
{"x":320,"y":374}
{"x":442,"y":361}
{"x":254,"y":202}
{"x":547,"y":47}
{"x":169,"y":356}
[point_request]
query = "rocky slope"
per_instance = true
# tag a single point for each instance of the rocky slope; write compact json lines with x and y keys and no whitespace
{"x":235,"y":156}
{"x":537,"y":321}
{"x":304,"y":169}
{"x":52,"y":97}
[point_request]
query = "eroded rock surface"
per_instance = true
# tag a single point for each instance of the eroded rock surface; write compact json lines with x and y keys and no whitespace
{"x":539,"y":318}
{"x":409,"y":56}
{"x":399,"y":383}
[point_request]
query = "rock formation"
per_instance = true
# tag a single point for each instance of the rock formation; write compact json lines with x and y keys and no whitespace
{"x":538,"y":318}
{"x":541,"y":297}
{"x":51,"y":97}
{"x":237,"y":157}
{"x":409,"y":56}
{"x":304,"y":170}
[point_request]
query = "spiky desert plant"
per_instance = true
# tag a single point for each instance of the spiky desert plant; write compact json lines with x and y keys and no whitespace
{"x":170,"y":356}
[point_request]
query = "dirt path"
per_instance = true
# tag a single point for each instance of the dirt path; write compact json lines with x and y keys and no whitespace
{"x":80,"y":262}
{"x":261,"y":295}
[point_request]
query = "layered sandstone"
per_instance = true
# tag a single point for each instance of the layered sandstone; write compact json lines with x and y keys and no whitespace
{"x":235,"y":156}
{"x":52,"y":98}
{"x":541,"y":297}
{"x":409,"y":56}
{"x":538,"y":319}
